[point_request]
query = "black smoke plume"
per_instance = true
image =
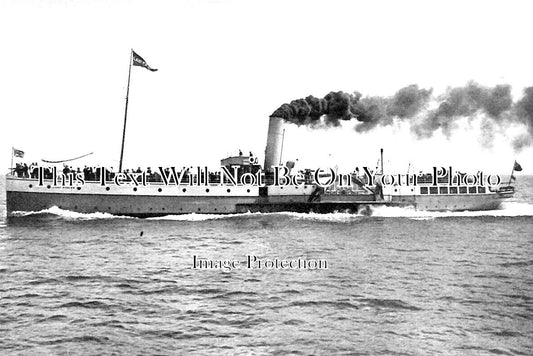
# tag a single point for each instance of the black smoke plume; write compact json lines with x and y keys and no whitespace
{"x":334,"y":107}
{"x":339,"y":106}
{"x":464,"y":102}
{"x":523,"y":111}
{"x":411,"y":104}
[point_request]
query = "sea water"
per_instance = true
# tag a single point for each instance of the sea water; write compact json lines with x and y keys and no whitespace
{"x":399,"y":282}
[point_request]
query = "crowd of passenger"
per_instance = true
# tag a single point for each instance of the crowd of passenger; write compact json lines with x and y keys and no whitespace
{"x":22,"y":170}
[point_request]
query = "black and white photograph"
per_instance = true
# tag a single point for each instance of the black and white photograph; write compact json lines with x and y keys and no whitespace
{"x":232,"y":177}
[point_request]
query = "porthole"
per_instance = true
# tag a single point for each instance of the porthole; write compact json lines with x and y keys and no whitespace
{"x":199,"y":209}
{"x":107,"y":188}
{"x":247,"y":190}
{"x":151,"y":209}
{"x":135,"y":189}
{"x":48,"y":186}
{"x":31,"y":185}
{"x":184,"y":190}
{"x":163,"y":209}
{"x":159,"y":190}
{"x":79,"y":188}
{"x":229,"y":190}
{"x":207,"y":190}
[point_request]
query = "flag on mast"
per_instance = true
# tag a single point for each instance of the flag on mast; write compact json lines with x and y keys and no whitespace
{"x":18,"y":153}
{"x":139,"y":61}
{"x":517,"y":167}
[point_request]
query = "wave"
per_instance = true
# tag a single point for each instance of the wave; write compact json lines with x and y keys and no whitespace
{"x":508,"y":209}
{"x":67,"y":214}
{"x":333,"y":217}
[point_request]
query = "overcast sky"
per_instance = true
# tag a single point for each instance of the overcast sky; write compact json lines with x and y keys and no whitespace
{"x":225,"y":66}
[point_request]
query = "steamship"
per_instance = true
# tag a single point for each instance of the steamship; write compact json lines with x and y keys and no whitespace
{"x":159,"y":199}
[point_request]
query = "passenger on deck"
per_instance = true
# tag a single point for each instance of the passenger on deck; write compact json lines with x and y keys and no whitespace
{"x":149,"y":173}
{"x":33,"y":170}
{"x":18,"y":170}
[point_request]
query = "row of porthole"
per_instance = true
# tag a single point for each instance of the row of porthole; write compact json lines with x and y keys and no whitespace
{"x":181,"y":209}
{"x":185,"y":190}
{"x":49,"y":186}
{"x":135,"y":189}
{"x":151,"y":209}
{"x":396,"y":190}
{"x":109,"y":208}
{"x":160,"y":190}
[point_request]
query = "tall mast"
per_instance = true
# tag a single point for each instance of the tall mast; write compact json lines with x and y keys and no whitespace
{"x":381,"y":161}
{"x":125,"y":115}
{"x":12,"y":151}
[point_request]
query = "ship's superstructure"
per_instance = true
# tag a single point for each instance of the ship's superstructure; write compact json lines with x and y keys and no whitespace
{"x":242,"y":186}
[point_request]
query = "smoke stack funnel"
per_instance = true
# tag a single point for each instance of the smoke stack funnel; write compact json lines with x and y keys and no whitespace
{"x":274,"y":143}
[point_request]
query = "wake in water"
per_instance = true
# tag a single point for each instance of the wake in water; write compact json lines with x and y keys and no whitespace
{"x":67,"y":214}
{"x":509,"y":209}
{"x":72,"y":215}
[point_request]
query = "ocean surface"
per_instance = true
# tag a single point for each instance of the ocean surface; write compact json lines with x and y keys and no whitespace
{"x":400,"y":282}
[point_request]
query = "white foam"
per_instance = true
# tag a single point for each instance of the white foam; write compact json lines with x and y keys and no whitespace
{"x":507,"y":209}
{"x":67,"y":214}
{"x":340,"y":217}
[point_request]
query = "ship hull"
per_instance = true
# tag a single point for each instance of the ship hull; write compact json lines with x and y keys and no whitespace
{"x":159,"y":200}
{"x":138,"y":206}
